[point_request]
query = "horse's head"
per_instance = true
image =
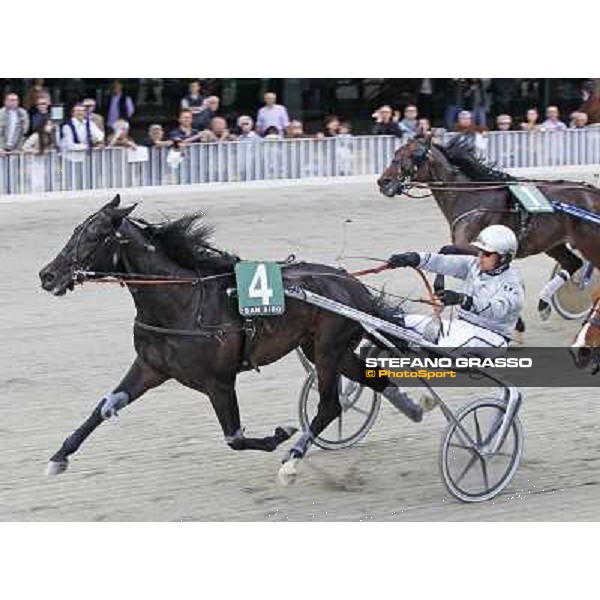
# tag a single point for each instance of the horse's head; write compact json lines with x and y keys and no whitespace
{"x":585,"y":350}
{"x":92,"y":247}
{"x":409,"y":164}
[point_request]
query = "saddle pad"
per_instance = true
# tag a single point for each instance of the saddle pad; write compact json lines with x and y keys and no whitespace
{"x":259,"y":289}
{"x":531,"y":199}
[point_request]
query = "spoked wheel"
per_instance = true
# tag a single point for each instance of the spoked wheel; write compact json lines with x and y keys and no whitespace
{"x":470,"y":471}
{"x":360,"y":407}
{"x":575,"y":299}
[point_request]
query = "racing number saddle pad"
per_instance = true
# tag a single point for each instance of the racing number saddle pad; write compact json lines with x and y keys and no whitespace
{"x":259,"y":288}
{"x":531,"y":199}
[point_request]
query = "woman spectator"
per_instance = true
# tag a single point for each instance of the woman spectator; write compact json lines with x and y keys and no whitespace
{"x":332,"y":126}
{"x":156,"y":136}
{"x":247,"y":133}
{"x":42,"y":139}
{"x":120,"y":137}
{"x":531,"y":120}
{"x":36,"y":147}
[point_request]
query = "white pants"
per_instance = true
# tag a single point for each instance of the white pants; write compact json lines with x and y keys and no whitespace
{"x":454,"y":334}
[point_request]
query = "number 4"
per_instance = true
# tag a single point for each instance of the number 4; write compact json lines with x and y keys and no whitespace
{"x":259,"y":287}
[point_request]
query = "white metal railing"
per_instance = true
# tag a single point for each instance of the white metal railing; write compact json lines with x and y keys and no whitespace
{"x":271,"y":159}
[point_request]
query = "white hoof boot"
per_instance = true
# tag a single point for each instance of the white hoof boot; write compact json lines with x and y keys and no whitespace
{"x":56,"y":468}
{"x":288,"y":472}
{"x":544,"y":309}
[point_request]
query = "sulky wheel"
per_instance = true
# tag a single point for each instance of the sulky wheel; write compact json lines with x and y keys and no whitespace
{"x":360,"y":407}
{"x":576,"y":297}
{"x":470,"y":471}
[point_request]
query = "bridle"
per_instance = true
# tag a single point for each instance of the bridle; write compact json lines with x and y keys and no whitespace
{"x":83,"y":263}
{"x":81,"y":266}
{"x":404,"y":176}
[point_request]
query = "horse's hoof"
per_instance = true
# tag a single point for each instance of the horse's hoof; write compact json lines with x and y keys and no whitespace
{"x":544,"y":310}
{"x":288,"y":472}
{"x":56,"y":467}
{"x":427,"y":403}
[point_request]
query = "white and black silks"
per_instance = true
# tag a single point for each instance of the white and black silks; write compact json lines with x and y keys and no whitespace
{"x":493,"y":299}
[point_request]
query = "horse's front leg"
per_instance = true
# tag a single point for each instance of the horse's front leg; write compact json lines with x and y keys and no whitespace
{"x":139,"y":379}
{"x":223,"y":398}
{"x":328,"y":410}
{"x":570,"y":263}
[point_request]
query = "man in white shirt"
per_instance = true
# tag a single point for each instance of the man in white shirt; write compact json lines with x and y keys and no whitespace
{"x":272,"y":115}
{"x":553,"y":122}
{"x":80,"y":132}
{"x":14,"y":124}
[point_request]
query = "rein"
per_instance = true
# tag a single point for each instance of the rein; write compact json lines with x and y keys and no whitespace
{"x":81,"y":277}
{"x":480,"y":186}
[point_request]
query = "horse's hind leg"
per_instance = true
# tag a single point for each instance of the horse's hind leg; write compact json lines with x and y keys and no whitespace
{"x":139,"y":379}
{"x":570,"y":263}
{"x":223,"y":398}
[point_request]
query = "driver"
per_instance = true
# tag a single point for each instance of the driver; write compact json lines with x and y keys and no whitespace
{"x":488,"y":307}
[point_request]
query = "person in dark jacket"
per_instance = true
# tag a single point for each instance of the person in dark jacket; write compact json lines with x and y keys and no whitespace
{"x":384,"y":123}
{"x":120,"y":105}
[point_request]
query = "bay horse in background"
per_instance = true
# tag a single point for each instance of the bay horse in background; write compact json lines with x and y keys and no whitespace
{"x":472,"y":195}
{"x":188,"y":327}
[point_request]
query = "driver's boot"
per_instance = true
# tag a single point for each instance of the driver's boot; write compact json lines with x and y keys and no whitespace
{"x":404,"y":403}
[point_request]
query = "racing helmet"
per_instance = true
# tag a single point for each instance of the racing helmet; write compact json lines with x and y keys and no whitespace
{"x":498,"y":239}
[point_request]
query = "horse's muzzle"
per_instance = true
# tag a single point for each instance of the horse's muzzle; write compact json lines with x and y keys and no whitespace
{"x":54,"y":283}
{"x":388,"y":186}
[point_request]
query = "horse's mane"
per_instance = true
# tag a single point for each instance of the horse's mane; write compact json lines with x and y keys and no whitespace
{"x":460,"y":152}
{"x":186,"y":241}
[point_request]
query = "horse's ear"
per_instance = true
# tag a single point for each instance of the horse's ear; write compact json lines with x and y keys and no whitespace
{"x":118,"y":214}
{"x":113,"y":203}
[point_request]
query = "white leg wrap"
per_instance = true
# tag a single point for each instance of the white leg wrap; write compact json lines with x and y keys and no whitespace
{"x":554,"y":285}
{"x":113,"y":403}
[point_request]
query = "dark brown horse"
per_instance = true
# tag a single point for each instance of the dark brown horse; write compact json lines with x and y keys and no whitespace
{"x":473,"y":195}
{"x":188,"y":328}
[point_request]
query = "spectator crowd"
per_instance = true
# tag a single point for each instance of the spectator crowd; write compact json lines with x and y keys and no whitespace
{"x":30,"y":126}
